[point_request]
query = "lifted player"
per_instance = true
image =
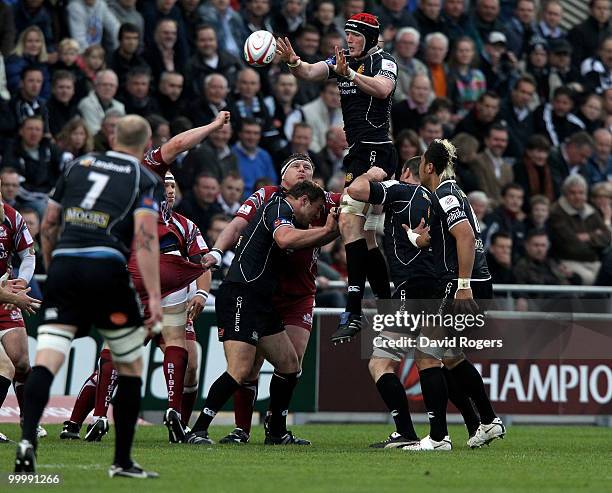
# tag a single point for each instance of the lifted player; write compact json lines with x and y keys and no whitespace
{"x":295,"y":297}
{"x":366,"y":78}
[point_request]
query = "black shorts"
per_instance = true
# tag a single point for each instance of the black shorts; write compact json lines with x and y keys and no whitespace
{"x":361,"y":157}
{"x":424,"y":288}
{"x":245,"y":315}
{"x":87,"y":292}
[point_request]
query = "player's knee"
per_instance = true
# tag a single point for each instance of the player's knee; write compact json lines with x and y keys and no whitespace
{"x":450,"y":363}
{"x":22,"y":365}
{"x":290,"y":363}
{"x":380,"y":366}
{"x":7,"y":369}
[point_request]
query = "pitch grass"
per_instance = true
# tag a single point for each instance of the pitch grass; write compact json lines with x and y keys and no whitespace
{"x":531,"y":458}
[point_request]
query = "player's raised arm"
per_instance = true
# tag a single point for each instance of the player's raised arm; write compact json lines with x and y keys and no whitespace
{"x":190,"y":138}
{"x":378,"y":86}
{"x":49,"y":231}
{"x":360,"y":188}
{"x":302,"y":70}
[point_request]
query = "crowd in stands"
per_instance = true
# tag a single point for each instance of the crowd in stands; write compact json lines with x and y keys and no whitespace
{"x":527,"y":103}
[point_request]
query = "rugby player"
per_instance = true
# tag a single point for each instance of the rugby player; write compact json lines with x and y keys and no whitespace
{"x":407,"y":205}
{"x":366,"y":77}
{"x":247,"y":321}
{"x":104,"y":204}
{"x":460,"y":262}
{"x":294,"y":300}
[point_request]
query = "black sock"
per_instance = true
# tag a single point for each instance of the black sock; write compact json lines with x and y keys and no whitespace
{"x":281,"y":391}
{"x":435,"y":396}
{"x":220,"y":392}
{"x":378,"y":274}
{"x":392,"y":392}
{"x":470,"y":380}
{"x":5,"y":383}
{"x":462,"y":402}
{"x":35,"y":396}
{"x":356,"y":265}
{"x":126,"y":407}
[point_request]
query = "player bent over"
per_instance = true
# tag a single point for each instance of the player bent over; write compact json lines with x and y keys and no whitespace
{"x":294,"y":300}
{"x":366,"y":78}
{"x":247,"y":320}
{"x":105,"y":202}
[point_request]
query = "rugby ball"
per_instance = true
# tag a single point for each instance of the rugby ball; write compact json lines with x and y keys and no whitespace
{"x":259,"y":48}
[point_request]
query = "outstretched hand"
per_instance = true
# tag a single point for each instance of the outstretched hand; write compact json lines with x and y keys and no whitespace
{"x":222,"y":118}
{"x":285,"y":51}
{"x":341,"y":67}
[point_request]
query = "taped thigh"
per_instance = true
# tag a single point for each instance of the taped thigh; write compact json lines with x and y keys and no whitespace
{"x":349,"y":205}
{"x":55,"y":338}
{"x":125,"y":344}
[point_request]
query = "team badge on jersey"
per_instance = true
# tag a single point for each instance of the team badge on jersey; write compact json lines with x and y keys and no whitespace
{"x":245,"y":209}
{"x":3,"y":232}
{"x":449,"y":202}
{"x":88,"y":161}
{"x":360,"y":69}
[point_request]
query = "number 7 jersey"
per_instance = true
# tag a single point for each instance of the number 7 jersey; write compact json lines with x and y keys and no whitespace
{"x":98,"y":194}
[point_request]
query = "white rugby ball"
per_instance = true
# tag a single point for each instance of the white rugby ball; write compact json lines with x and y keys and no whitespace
{"x":259,"y":48}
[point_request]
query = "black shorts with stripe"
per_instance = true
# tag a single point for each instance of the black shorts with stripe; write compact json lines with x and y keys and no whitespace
{"x":362,"y":156}
{"x":86,"y":293}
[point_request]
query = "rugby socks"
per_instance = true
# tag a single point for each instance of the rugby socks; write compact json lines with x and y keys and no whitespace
{"x":86,"y":400}
{"x":435,"y":396}
{"x":107,"y":382}
{"x":220,"y":392}
{"x":377,"y":274}
{"x":356,"y":265}
{"x":36,"y":396}
{"x":470,"y":380}
{"x":175,"y":364}
{"x":462,"y":402}
{"x":244,"y":404}
{"x":190,"y":394}
{"x":281,"y":391}
{"x":393,"y":393}
{"x":5,"y":383}
{"x":126,"y":407}
{"x":19,"y":381}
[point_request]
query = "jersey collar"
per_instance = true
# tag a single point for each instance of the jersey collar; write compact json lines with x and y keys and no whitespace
{"x":445,"y":181}
{"x":122,"y":155}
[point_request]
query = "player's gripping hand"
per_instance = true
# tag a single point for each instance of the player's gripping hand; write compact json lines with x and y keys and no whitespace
{"x":376,"y":174}
{"x":332,"y":220}
{"x":464,"y":303}
{"x":154,"y":322}
{"x":222,"y":118}
{"x":24,"y":302}
{"x":285,"y":51}
{"x":210,"y":261}
{"x":195,"y":307}
{"x":422,"y":238}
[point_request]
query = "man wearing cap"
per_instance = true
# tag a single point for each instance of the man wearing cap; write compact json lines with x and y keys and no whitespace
{"x":498,"y":63}
{"x":560,"y":61}
{"x":366,"y":77}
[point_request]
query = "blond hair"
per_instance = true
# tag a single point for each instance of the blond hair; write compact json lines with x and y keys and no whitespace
{"x":20,"y":45}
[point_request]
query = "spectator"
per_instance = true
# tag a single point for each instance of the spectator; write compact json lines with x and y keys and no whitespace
{"x":307,"y":48}
{"x":406,"y":45}
{"x":521,"y":27}
{"x":136,"y":98}
{"x":300,"y":143}
{"x":436,"y":48}
{"x":283,"y":109}
{"x":126,"y":57}
{"x":332,"y":155}
{"x":164,"y":54}
{"x":499,"y":259}
{"x":486,"y":21}
{"x":126,"y":13}
{"x":562,"y":72}
{"x":91,"y":21}
{"x":32,"y":220}
{"x":104,"y":137}
{"x":209,"y":59}
{"x":93,"y":61}
{"x":466,"y":167}
{"x":406,"y":146}
{"x":101,"y":100}
{"x":555,"y":119}
{"x":9,"y":186}
{"x":323,"y":17}
{"x":587,"y":36}
{"x":256,"y":16}
{"x":213,"y":157}
{"x":200,"y":203}
{"x":153,"y":13}
{"x":498,"y":65}
{"x":74,"y":140}
{"x":30,"y":52}
{"x":442,"y":109}
{"x":290,"y":18}
{"x":349,"y":8}
{"x":466,"y":83}
{"x":578,"y":233}
{"x":160,"y":130}
{"x":329,"y":42}
{"x":600,"y":77}
{"x":457,"y":22}
{"x":28,"y":13}
{"x":169,"y":95}
{"x":590,"y":112}
{"x":429,"y":130}
{"x":515,"y":112}
{"x":7,"y":29}
{"x":536,"y":267}
{"x":481,"y":117}
{"x":409,"y":113}
{"x":392,"y":16}
{"x":323,"y":113}
{"x":539,"y":212}
{"x":232,"y":190}
{"x":213,"y":100}
{"x":191,"y":20}
{"x":227,"y":24}
{"x":427,"y":17}
{"x":601,"y":198}
{"x":4,"y":94}
{"x":508,"y":218}
{"x":28,"y":101}
{"x":533,"y":170}
{"x":38,"y":162}
{"x":218,"y":223}
{"x":599,"y":166}
{"x":493,"y":171}
{"x":68,"y":57}
{"x":551,"y":15}
{"x":536,"y":65}
{"x":570,"y":158}
{"x":254,"y":162}
{"x":480,"y":205}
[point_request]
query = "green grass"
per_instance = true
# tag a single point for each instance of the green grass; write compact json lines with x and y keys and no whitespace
{"x":531,"y":458}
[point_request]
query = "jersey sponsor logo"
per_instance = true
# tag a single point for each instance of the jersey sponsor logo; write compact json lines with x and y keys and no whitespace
{"x":118,"y":168}
{"x":454,"y":216}
{"x":389,"y":66}
{"x":282,"y":222}
{"x":3,"y":232}
{"x":3,"y":253}
{"x":51,"y":314}
{"x":245,"y":209}
{"x":449,"y":202}
{"x":87,"y":162}
{"x":76,"y":215}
